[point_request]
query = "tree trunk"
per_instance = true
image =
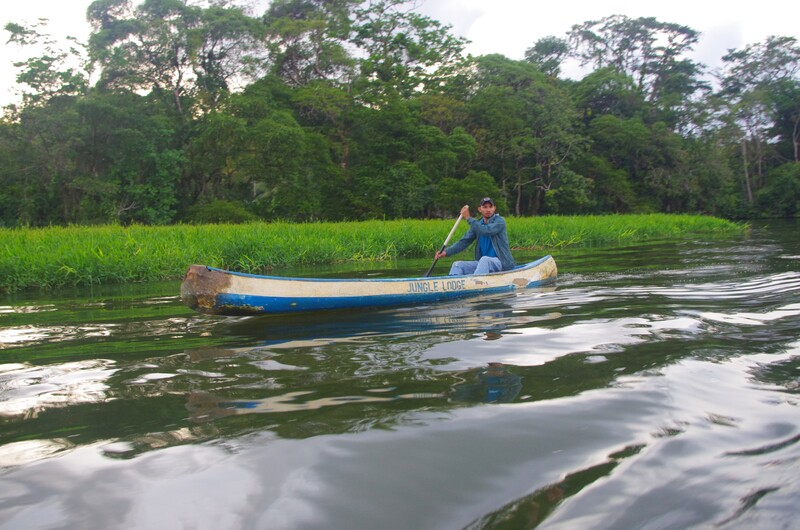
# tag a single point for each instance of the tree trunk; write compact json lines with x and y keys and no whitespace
{"x":748,"y":189}
{"x":176,"y":94}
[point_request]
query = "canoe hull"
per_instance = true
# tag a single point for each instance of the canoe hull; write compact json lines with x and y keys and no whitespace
{"x":215,"y":291}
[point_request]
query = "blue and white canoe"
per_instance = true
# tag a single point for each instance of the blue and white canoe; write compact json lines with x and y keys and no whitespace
{"x":219,"y":292}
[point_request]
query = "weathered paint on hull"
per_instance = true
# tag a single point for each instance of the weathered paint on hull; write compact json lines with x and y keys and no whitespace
{"x":215,"y":291}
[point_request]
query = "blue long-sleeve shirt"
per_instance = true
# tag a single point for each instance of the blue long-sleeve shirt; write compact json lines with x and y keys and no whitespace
{"x":495,"y":228}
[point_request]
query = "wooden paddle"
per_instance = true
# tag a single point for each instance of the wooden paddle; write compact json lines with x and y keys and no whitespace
{"x":444,"y":245}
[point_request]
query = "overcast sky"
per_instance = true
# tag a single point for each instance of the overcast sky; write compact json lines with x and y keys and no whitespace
{"x":507,"y":27}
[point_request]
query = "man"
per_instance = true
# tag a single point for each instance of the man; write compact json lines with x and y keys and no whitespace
{"x":492,"y":253}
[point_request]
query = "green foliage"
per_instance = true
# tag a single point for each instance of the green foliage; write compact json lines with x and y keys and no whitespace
{"x":52,"y":74}
{"x":607,"y":91}
{"x":84,"y":256}
{"x":353,"y":111}
{"x":404,"y":52}
{"x":572,"y":196}
{"x":645,"y":49}
{"x":548,"y":54}
{"x":622,"y":141}
{"x":219,"y":211}
{"x":186,"y":52}
{"x":307,"y":39}
{"x":612,"y":190}
{"x":408,"y":191}
{"x":452,"y":194}
{"x":781,"y":196}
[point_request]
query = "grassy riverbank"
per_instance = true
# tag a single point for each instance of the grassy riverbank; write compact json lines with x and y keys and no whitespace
{"x":75,"y":256}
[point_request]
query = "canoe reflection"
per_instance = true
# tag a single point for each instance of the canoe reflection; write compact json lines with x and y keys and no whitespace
{"x":494,"y":312}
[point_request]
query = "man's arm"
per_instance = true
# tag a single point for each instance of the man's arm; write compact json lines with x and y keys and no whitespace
{"x":462,"y":243}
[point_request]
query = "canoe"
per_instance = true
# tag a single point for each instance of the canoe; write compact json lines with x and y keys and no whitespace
{"x":220,"y":292}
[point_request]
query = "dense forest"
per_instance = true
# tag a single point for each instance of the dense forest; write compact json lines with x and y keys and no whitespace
{"x":189,"y":111}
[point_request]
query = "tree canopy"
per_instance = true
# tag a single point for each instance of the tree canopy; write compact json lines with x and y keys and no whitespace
{"x":184,"y":111}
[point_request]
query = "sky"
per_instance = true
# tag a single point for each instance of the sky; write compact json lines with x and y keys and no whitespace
{"x":508,"y":27}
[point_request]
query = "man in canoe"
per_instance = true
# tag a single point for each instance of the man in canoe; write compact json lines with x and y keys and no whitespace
{"x":492,"y":253}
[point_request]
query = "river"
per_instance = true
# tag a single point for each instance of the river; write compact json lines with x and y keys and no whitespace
{"x":655,"y":386}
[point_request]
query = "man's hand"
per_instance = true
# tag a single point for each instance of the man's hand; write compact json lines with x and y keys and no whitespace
{"x":465,"y":211}
{"x":441,"y":254}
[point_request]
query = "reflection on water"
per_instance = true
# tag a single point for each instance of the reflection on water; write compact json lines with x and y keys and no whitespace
{"x":654,"y":385}
{"x":35,"y":334}
{"x":26,"y":452}
{"x":533,"y":509}
{"x":27,"y":390}
{"x":493,"y":384}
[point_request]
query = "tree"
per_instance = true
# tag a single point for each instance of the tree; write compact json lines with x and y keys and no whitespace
{"x":41,"y":136}
{"x":785,"y":101}
{"x":145,"y":48}
{"x":130,"y":160}
{"x":780,"y":197}
{"x":215,"y":150}
{"x":667,"y":180}
{"x":255,"y":151}
{"x":441,"y":155}
{"x":404,"y":52}
{"x":608,"y":188}
{"x":172,"y":47}
{"x":757,"y":98}
{"x":606,"y":91}
{"x":623,"y":143}
{"x":708,"y":164}
{"x":648,"y":51}
{"x":308,"y":40}
{"x":228,"y":49}
{"x":328,"y":110}
{"x":56,"y":72}
{"x":48,"y":137}
{"x":572,"y":197}
{"x":547,"y":54}
{"x":444,"y":111}
{"x":370,"y":110}
{"x":452,"y":192}
{"x":525,"y":126}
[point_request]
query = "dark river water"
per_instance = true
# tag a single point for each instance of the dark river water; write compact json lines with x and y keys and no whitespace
{"x":655,"y":386}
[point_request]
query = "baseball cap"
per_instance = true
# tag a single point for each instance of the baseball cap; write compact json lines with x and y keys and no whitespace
{"x":487,"y":199}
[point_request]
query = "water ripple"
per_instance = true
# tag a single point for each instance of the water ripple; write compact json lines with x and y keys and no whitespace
{"x":26,"y":390}
{"x":779,"y":284}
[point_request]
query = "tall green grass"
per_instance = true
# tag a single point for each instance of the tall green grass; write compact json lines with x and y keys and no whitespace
{"x":82,"y":256}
